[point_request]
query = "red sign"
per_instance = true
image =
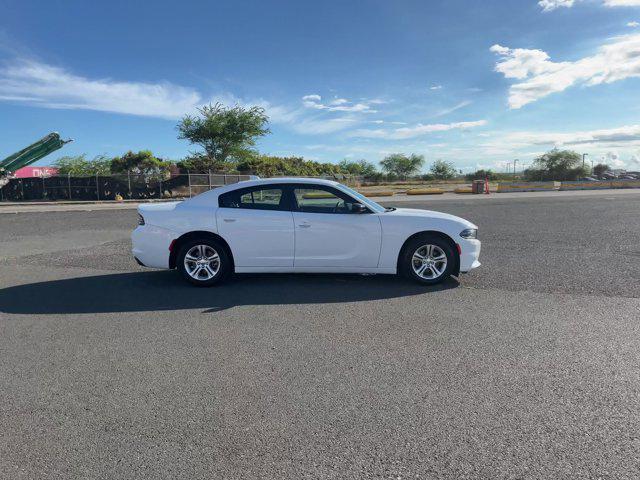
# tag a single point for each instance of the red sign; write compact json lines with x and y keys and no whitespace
{"x":26,"y":172}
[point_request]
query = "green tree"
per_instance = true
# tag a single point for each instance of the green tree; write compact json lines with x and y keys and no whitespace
{"x":443,"y":170}
{"x":402,"y":165}
{"x":271,"y":166}
{"x":79,"y":165}
{"x":600,"y":168}
{"x":142,"y":162}
{"x":222,"y":131}
{"x":557,"y":165}
{"x":361,"y":168}
{"x":490,"y":174}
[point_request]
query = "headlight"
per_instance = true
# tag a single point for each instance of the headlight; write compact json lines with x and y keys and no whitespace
{"x":469,"y":233}
{"x":140,"y":220}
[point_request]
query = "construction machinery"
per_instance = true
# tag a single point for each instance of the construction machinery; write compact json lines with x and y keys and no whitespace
{"x":29,"y":155}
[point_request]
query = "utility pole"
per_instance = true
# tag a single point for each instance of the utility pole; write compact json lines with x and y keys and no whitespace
{"x":583,"y":155}
{"x":514,"y":168}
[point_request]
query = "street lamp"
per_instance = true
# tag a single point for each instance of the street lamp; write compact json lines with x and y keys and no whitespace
{"x":583,"y":155}
{"x":514,"y":168}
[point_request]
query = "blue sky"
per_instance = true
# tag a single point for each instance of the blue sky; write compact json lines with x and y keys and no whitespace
{"x":476,"y":83}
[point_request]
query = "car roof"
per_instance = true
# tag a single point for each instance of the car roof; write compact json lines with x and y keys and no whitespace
{"x":212,"y":195}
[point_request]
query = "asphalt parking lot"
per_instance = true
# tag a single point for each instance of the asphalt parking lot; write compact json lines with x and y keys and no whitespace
{"x":527,"y":368}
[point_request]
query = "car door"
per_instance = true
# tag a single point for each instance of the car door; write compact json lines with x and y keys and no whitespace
{"x":328,"y":233}
{"x":258,"y":225}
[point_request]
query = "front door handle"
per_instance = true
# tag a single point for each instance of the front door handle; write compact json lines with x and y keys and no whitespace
{"x":229,"y":220}
{"x":304,"y":225}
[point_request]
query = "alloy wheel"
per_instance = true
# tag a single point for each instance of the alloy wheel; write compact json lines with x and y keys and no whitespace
{"x":202,"y":262}
{"x":429,"y":262}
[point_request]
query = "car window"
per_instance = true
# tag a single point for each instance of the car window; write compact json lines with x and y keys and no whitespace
{"x":319,"y":200}
{"x":255,"y":198}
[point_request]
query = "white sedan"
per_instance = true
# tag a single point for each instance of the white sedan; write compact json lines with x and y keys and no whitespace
{"x":300,"y":225}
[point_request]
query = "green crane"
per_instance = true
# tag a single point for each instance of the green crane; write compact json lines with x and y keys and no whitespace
{"x":31,"y":154}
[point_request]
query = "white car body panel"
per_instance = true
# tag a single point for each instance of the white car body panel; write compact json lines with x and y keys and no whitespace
{"x":339,"y":241}
{"x":263,"y":241}
{"x":258,"y":238}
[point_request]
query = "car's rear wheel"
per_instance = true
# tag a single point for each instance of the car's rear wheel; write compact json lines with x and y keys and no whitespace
{"x":203,"y":262}
{"x":428,"y":259}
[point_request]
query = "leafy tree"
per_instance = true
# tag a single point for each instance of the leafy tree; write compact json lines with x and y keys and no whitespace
{"x":443,"y":170}
{"x":557,"y":165}
{"x":222,"y":131}
{"x":79,"y":165}
{"x":360,"y":167}
{"x":490,"y":174}
{"x":271,"y":166}
{"x":201,"y":163}
{"x":402,"y":165}
{"x":142,"y":162}
{"x":600,"y":168}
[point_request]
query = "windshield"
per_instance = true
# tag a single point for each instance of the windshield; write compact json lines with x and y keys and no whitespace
{"x":377,"y":208}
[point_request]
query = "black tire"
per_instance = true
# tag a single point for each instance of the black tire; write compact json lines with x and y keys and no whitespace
{"x":416,"y":245}
{"x":204,"y":279}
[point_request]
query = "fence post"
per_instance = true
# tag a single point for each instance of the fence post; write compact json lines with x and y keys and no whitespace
{"x":69,"y":183}
{"x":129,"y":181}
{"x":97,"y":188}
{"x":209,"y":179}
{"x":44,"y":189}
{"x":238,"y":178}
{"x":225,"y":178}
{"x":22,"y":187}
{"x":160,"y":187}
{"x":189,"y":178}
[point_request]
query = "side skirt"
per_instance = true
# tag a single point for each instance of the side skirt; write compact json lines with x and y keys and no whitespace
{"x":382,"y":271}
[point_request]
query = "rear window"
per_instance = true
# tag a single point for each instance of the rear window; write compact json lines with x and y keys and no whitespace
{"x":268,"y":198}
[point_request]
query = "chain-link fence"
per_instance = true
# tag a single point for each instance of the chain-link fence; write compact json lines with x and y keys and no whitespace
{"x":111,"y":187}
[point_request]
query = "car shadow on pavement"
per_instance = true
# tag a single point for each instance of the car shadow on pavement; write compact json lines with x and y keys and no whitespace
{"x":164,"y":290}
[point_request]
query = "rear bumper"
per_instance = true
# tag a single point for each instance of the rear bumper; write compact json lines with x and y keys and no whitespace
{"x":470,"y":255}
{"x":151,"y":246}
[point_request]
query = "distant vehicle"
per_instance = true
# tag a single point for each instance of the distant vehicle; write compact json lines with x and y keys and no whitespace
{"x":589,"y":179}
{"x":300,"y":225}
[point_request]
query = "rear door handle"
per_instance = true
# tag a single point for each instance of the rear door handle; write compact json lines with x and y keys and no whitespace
{"x":229,"y":220}
{"x":304,"y":225}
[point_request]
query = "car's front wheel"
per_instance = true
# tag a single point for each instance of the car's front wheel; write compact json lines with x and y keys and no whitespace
{"x":428,"y":259}
{"x":203,"y":262}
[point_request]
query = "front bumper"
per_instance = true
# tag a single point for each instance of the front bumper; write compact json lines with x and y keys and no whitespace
{"x":470,"y":253}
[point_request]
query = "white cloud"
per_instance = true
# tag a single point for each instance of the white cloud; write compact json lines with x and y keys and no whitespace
{"x":52,"y":87}
{"x":435,"y":87}
{"x":42,"y":85}
{"x":447,"y":111}
{"x":540,"y":76}
{"x":609,"y":136}
{"x":549,"y":5}
{"x":633,"y":24}
{"x":418,"y":130}
{"x":321,"y":126}
{"x":337,"y":105}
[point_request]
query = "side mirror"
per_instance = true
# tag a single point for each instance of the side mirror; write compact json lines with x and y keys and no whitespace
{"x":358,"y":208}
